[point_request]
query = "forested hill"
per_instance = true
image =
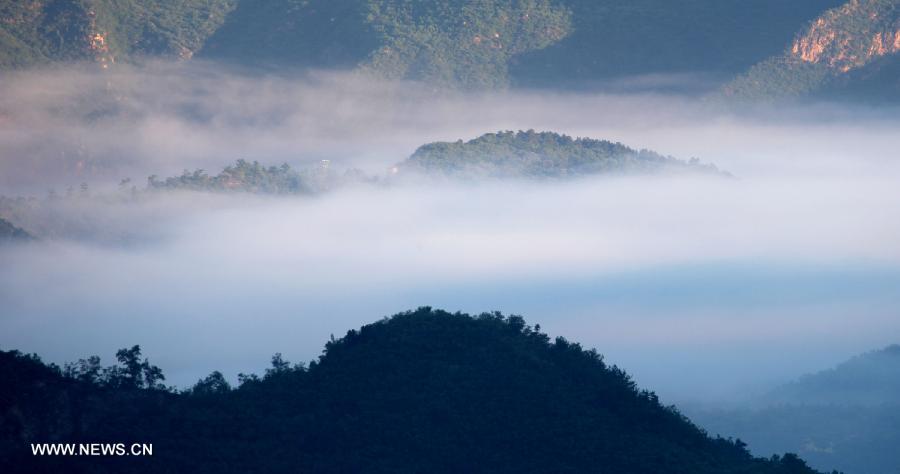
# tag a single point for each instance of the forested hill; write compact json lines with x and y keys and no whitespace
{"x":846,"y":417}
{"x":105,"y":31}
{"x":872,"y":378}
{"x":540,"y":155}
{"x":11,"y":233}
{"x":422,"y":391}
{"x":457,"y":43}
{"x":849,"y":51}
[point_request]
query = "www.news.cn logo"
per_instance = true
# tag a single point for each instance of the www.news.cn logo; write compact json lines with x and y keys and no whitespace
{"x":91,"y":449}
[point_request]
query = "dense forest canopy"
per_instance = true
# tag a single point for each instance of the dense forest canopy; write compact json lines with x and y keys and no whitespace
{"x":533,"y":154}
{"x":422,"y":391}
{"x":253,"y":177}
{"x":459,"y":43}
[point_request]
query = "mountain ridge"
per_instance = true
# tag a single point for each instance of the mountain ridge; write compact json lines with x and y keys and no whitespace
{"x":484,"y":44}
{"x":421,"y":391}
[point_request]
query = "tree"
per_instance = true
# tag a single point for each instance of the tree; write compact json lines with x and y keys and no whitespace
{"x":212,"y":384}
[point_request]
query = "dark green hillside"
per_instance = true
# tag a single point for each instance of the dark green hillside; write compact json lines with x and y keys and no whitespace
{"x":244,"y":176}
{"x":456,"y":43}
{"x":423,"y":391}
{"x":611,"y":39}
{"x":488,"y":43}
{"x":539,"y":155}
{"x":105,"y":31}
{"x":295,"y":34}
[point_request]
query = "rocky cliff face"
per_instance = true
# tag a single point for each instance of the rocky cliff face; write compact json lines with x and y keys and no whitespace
{"x":837,"y":51}
{"x":851,"y":36}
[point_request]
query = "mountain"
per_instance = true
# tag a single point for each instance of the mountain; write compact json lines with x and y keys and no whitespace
{"x":495,"y":43}
{"x":847,"y":51}
{"x":610,"y":39}
{"x":11,"y":233}
{"x":539,"y":155}
{"x":868,"y":379}
{"x":472,"y":44}
{"x":466,"y":44}
{"x":847,"y":417}
{"x":105,"y":31}
{"x":422,"y":391}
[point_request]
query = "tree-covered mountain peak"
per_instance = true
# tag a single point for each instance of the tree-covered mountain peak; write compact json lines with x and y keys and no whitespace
{"x":421,"y":391}
{"x":531,"y":154}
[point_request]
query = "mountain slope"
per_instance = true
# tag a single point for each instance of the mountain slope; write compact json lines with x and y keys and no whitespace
{"x":11,"y":233}
{"x":850,"y":48}
{"x":41,"y":31}
{"x":868,"y":379}
{"x":423,"y":391}
{"x":539,"y":155}
{"x":471,"y":44}
{"x":459,"y":43}
{"x":492,"y":43}
{"x":847,"y":417}
{"x":611,"y":39}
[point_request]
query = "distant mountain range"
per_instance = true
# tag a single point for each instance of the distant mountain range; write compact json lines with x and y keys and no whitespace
{"x":872,"y":378}
{"x":422,"y":391}
{"x":829,"y":46}
{"x":846,"y":418}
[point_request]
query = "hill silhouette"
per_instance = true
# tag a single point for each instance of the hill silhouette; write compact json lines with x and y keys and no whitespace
{"x":533,"y":154}
{"x":872,"y":378}
{"x":422,"y":391}
{"x":11,"y":233}
{"x":846,"y":417}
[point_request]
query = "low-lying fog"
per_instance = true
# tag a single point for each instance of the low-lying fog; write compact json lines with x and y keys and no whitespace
{"x":702,"y":288}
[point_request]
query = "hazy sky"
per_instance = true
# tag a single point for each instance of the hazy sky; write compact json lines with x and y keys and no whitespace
{"x":700,"y":287}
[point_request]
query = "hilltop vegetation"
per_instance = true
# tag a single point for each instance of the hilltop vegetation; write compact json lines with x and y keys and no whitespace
{"x":539,"y":155}
{"x":253,"y":177}
{"x":422,"y":391}
{"x":503,"y":155}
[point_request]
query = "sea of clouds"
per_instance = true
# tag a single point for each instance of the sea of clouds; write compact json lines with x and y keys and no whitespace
{"x":702,"y":287}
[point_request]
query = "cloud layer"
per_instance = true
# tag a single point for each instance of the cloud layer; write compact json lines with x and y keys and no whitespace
{"x":722,"y":279}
